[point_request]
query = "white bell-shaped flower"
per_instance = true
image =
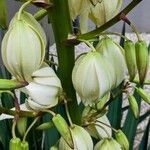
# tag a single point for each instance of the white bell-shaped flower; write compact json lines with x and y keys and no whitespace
{"x":81,"y":139}
{"x":23,"y":46}
{"x":100,"y":129}
{"x":91,"y":77}
{"x":114,"y":55}
{"x":44,"y":89}
{"x":103,"y":11}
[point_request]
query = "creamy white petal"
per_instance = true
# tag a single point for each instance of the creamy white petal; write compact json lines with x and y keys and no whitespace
{"x":43,"y":94}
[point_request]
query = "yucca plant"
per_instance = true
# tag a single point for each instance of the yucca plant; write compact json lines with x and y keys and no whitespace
{"x":71,"y":103}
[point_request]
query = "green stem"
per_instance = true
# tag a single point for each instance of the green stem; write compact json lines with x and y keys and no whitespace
{"x":67,"y":112}
{"x":20,"y":113}
{"x":23,"y":7}
{"x":114,"y":33}
{"x":29,"y":128}
{"x":13,"y":129}
{"x":110,"y":23}
{"x":135,"y":31}
{"x":61,"y":24}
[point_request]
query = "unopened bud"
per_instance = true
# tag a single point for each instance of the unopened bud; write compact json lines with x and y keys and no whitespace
{"x":122,"y":140}
{"x":133,"y":105}
{"x":63,"y":129}
{"x":21,"y":125}
{"x":144,"y":95}
{"x":130,"y":56}
{"x":142,"y":60}
{"x":15,"y":144}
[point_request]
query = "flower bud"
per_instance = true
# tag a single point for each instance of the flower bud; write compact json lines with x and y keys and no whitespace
{"x":144,"y":95}
{"x":91,"y":77}
{"x":141,"y":59}
{"x":21,"y":125}
{"x":44,"y":90}
{"x":122,"y":140}
{"x":63,"y":129}
{"x":103,"y":101}
{"x":11,"y":84}
{"x":114,"y":55}
{"x":81,"y":139}
{"x":15,"y":144}
{"x":23,"y":44}
{"x":24,"y":145}
{"x":130,"y":56}
{"x":103,"y":11}
{"x":133,"y":105}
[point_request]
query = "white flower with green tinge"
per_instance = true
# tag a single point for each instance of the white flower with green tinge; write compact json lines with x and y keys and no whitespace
{"x":43,"y":90}
{"x":81,"y":139}
{"x":90,"y":77}
{"x":23,"y":46}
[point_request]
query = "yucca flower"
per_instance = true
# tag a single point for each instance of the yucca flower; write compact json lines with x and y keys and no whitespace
{"x":102,"y":11}
{"x":99,"y":129}
{"x":43,"y":90}
{"x":107,"y":144}
{"x":114,"y":54}
{"x":77,"y":7}
{"x":80,"y":137}
{"x":91,"y":78}
{"x":23,"y":46}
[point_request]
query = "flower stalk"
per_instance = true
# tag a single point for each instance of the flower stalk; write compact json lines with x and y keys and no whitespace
{"x":61,"y":25}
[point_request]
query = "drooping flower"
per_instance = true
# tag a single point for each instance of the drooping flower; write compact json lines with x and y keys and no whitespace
{"x":102,"y":11}
{"x":43,"y":90}
{"x":114,"y":54}
{"x":106,"y":144}
{"x":77,"y":7}
{"x":91,"y":78}
{"x":98,"y":72}
{"x":100,"y":128}
{"x":23,"y":46}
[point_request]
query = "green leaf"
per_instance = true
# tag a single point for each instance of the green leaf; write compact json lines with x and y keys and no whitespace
{"x":144,"y":142}
{"x":115,"y":110}
{"x":144,"y":116}
{"x":130,"y":124}
{"x":51,"y":135}
{"x":123,"y":33}
{"x":4,"y":137}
